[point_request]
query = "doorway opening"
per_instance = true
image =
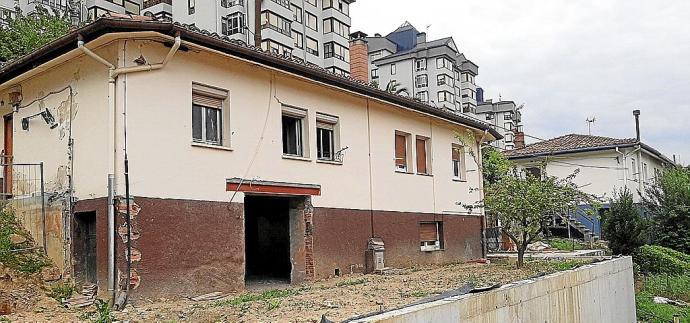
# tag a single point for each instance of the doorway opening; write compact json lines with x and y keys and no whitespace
{"x":85,"y":244}
{"x":267,"y":239}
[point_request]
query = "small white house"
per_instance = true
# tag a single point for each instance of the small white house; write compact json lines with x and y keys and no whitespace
{"x":605,"y":164}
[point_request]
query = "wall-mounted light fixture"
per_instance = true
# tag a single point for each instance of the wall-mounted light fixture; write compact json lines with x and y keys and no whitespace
{"x":45,"y":114}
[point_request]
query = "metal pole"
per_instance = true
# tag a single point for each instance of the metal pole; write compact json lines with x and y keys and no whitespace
{"x":111,"y":235}
{"x":43,"y":211}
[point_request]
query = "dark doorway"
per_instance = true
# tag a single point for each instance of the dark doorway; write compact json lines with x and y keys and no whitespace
{"x":267,"y":238}
{"x":85,"y":245}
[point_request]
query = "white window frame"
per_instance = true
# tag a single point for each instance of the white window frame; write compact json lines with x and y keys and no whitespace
{"x":424,"y":81}
{"x":213,"y":94}
{"x":394,"y":69}
{"x":423,"y":96}
{"x":332,"y":124}
{"x":420,"y":64}
{"x":301,"y":133}
{"x":459,"y":164}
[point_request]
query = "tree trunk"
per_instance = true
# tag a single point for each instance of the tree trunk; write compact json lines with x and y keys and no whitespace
{"x":521,"y":256}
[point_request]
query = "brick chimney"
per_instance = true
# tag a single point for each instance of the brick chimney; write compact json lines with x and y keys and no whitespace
{"x":359,"y":56}
{"x":519,"y":139}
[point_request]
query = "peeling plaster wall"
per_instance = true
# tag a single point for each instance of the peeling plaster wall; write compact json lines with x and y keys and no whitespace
{"x":88,"y":122}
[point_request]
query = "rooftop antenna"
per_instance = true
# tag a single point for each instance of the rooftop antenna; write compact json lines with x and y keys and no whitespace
{"x":590,"y":122}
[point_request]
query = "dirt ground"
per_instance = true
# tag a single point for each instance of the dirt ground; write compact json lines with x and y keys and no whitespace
{"x":338,"y":299}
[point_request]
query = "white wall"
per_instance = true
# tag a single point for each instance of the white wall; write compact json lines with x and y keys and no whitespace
{"x":602,"y":292}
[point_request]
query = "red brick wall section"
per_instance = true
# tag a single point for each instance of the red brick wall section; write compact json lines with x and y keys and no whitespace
{"x":359,"y":60}
{"x":340,"y":239}
{"x":187,"y":248}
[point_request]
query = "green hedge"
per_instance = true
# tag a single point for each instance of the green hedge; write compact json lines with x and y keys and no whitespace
{"x":659,"y":260}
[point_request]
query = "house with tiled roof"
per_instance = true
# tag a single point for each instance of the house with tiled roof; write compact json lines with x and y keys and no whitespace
{"x":180,"y":162}
{"x":604,"y":164}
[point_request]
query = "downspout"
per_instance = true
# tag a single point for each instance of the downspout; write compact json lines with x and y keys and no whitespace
{"x":480,"y":171}
{"x":113,"y":74}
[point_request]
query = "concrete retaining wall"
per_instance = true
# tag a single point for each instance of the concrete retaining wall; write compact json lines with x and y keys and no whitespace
{"x":602,"y":292}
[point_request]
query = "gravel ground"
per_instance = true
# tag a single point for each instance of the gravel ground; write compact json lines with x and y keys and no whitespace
{"x":338,"y":299}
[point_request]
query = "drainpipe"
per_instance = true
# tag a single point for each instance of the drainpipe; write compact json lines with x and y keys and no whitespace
{"x":113,"y":74}
{"x":640,"y":177}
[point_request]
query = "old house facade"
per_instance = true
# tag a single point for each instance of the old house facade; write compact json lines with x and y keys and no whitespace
{"x":240,"y":164}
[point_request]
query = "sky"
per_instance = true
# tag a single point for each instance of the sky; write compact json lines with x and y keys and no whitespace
{"x":567,"y":61}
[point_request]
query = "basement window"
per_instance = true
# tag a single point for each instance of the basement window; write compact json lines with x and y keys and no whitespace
{"x":207,"y":114}
{"x":294,"y":121}
{"x":327,"y":145}
{"x":431,"y":236}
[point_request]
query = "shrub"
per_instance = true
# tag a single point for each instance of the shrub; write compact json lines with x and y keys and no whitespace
{"x":668,"y":202}
{"x":657,"y":260}
{"x":623,"y":226}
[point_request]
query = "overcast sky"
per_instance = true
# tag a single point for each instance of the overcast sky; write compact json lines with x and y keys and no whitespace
{"x":567,"y":60}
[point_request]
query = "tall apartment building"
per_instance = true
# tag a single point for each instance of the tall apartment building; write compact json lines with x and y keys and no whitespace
{"x":435,"y":72}
{"x":84,"y":9}
{"x":316,"y":31}
{"x":506,"y":118}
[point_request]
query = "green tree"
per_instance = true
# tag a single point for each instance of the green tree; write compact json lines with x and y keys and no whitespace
{"x":494,"y":165}
{"x":668,"y":203}
{"x":521,"y":202}
{"x":25,"y":34}
{"x":623,"y":226}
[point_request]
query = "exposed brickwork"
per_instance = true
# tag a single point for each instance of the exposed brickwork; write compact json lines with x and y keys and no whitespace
{"x":359,"y":60}
{"x":309,"y":272}
{"x":519,"y":140}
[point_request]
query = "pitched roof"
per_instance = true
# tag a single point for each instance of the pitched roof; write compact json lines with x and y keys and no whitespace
{"x":574,"y":143}
{"x":193,"y":35}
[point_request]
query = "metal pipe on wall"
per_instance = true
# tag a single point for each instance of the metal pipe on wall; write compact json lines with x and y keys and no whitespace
{"x":111,"y":234}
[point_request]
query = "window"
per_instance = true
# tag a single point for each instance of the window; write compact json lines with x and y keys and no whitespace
{"x":332,"y":49}
{"x":401,"y":161}
{"x":190,"y":7}
{"x":442,"y":62}
{"x":311,"y":2}
{"x":293,"y":122}
{"x":375,"y":73}
{"x":632,"y":168}
{"x":312,"y":22}
{"x":332,"y":25}
{"x":468,"y":93}
{"x":508,"y":126}
{"x":296,"y":13}
{"x":326,"y":139}
{"x":207,"y":114}
{"x":644,"y":172}
{"x":231,"y":3}
{"x":458,"y":158}
{"x":423,"y":96}
{"x":312,"y":46}
{"x":469,"y":108}
{"x":508,"y":137}
{"x":421,"y":81}
{"x":431,"y":236}
{"x":508,"y":116}
{"x":444,"y":79}
{"x":467,"y":77}
{"x":393,"y":69}
{"x":276,"y":48}
{"x":533,"y":171}
{"x":233,"y":24}
{"x":423,"y":163}
{"x":420,"y":64}
{"x":445,"y":96}
{"x":298,"y":39}
{"x":272,"y":21}
{"x":339,"y":5}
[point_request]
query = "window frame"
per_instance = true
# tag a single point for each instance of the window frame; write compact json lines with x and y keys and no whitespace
{"x":394,"y":69}
{"x":407,"y":166}
{"x":202,"y":96}
{"x":423,"y":96}
{"x":419,"y":84}
{"x":374,"y":73}
{"x":295,"y":9}
{"x":420,"y":67}
{"x":458,"y":164}
{"x":307,"y":21}
{"x":326,"y":122}
{"x":435,"y":245}
{"x":301,"y":133}
{"x":426,"y":142}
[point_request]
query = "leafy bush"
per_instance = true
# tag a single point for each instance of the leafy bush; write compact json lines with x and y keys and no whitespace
{"x":668,"y":202}
{"x":60,"y":291}
{"x":623,"y":226}
{"x":103,"y":311}
{"x":658,"y":260}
